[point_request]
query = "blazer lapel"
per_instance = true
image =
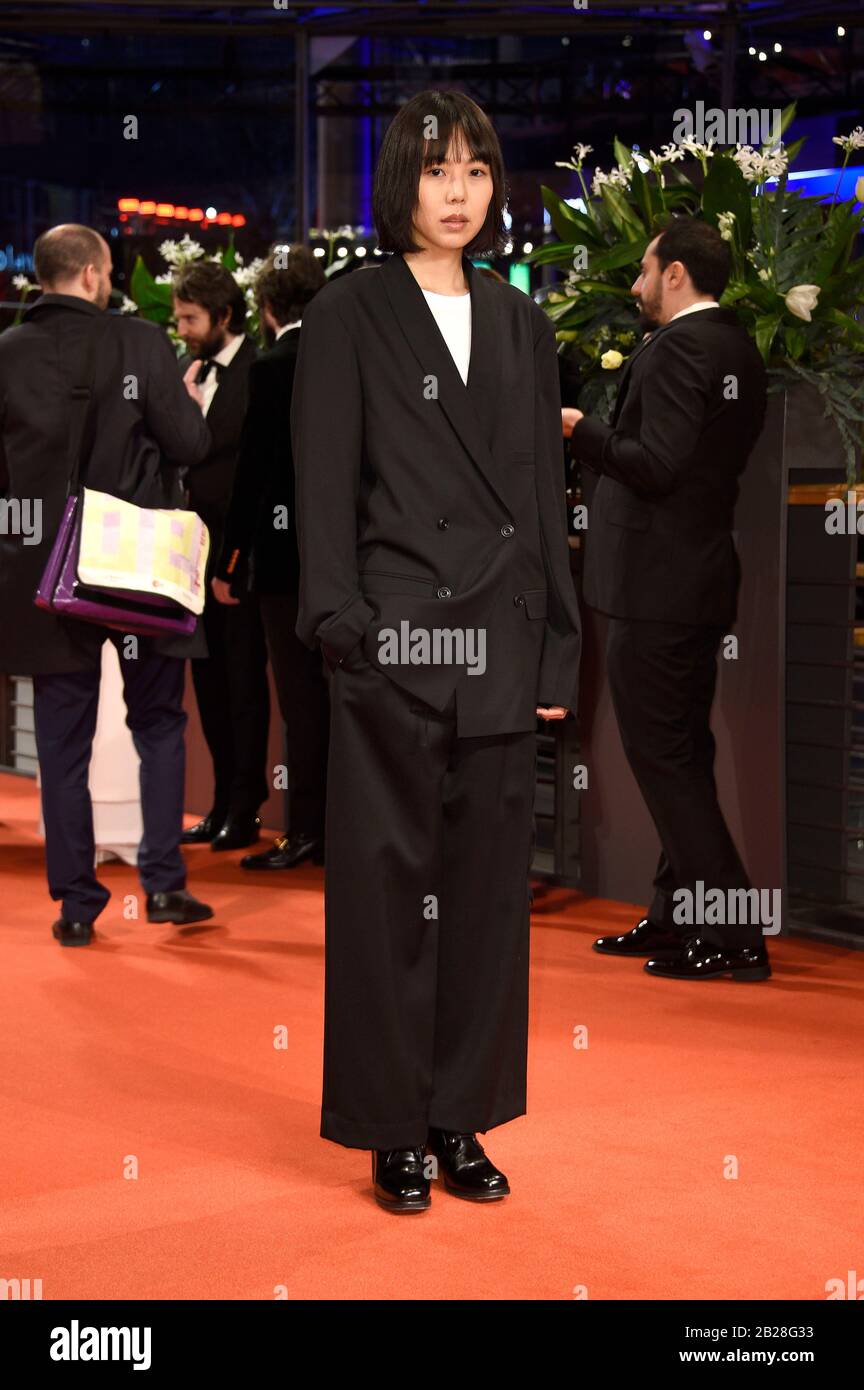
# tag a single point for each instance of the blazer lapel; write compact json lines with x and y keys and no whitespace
{"x":472,"y":408}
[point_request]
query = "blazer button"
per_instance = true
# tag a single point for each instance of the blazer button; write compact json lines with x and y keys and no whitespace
{"x":444,"y":592}
{"x":519,"y":600}
{"x":443,"y":524}
{"x":508,"y":529}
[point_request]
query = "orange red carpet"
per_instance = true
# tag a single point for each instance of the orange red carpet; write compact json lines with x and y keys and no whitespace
{"x":158,"y":1145}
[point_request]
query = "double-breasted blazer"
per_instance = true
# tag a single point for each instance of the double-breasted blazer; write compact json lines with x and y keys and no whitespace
{"x":426,"y":501}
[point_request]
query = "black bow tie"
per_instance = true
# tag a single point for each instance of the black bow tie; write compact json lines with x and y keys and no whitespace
{"x":208,"y":365}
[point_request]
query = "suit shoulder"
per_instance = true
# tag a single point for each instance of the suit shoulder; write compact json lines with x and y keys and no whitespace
{"x":535,"y":315}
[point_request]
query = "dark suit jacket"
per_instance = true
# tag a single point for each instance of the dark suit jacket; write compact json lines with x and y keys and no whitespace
{"x":422,"y":500}
{"x":211,"y":483}
{"x":264,"y":480}
{"x":659,"y":544}
{"x":145,"y":432}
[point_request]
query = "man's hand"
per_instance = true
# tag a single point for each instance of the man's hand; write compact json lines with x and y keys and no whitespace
{"x":190,"y":379}
{"x":569,"y":418}
{"x":222,"y":590}
{"x":552,"y":712}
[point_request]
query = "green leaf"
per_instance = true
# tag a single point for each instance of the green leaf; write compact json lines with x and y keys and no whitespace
{"x":625,"y":217}
{"x":568,"y":221}
{"x":765,"y":331}
{"x":725,"y":190}
{"x":153,"y":300}
{"x":627,"y":253}
{"x":623,"y":156}
{"x":795,"y":340}
{"x":229,"y":255}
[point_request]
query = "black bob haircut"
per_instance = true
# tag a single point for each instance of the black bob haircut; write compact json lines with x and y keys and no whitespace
{"x":418,"y":137}
{"x":700,"y":249}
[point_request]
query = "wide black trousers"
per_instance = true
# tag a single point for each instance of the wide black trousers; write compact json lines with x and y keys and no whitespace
{"x":662,"y":677}
{"x":429,"y":843}
{"x":301,"y":689}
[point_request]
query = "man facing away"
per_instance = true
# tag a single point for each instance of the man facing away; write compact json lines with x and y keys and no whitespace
{"x":661,"y":562}
{"x":138,"y":440}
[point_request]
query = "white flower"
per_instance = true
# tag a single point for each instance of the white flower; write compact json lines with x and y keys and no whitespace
{"x":764,"y":274}
{"x":21,"y":282}
{"x":801,"y":301}
{"x":611,"y":360}
{"x":246,"y":275}
{"x":128,"y":306}
{"x":669,"y":153}
{"x":579,"y":153}
{"x":853,"y":141}
{"x":859,"y":189}
{"x":177,"y":253}
{"x":165,"y":278}
{"x":724,"y":222}
{"x":698,"y":151}
{"x":757,"y":167}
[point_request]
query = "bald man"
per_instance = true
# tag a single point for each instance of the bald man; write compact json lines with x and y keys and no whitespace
{"x":140,"y":427}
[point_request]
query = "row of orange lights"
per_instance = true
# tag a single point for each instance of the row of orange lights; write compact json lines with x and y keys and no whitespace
{"x":146,"y":207}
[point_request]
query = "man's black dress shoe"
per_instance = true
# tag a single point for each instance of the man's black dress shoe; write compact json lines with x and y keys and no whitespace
{"x":702,"y":960}
{"x":240,"y":828}
{"x":203,"y":831}
{"x":646,"y":939}
{"x":399,"y":1181}
{"x":73,"y":933}
{"x":466,"y":1170}
{"x":179,"y":907}
{"x":287,"y":853}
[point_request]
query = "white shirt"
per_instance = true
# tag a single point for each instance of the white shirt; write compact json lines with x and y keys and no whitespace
{"x":453,"y":316}
{"x":691,"y":308}
{"x":285,"y":327}
{"x":223,"y":357}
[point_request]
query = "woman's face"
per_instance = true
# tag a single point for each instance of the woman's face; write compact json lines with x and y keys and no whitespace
{"x":453,"y":199}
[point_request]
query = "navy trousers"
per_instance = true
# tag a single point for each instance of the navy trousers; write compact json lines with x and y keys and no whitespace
{"x":65,"y":708}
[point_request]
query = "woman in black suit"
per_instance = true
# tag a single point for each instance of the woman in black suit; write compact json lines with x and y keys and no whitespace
{"x":434,"y":573}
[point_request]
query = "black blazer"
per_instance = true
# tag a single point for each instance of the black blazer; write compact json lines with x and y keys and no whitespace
{"x":422,"y":500}
{"x":146,"y":429}
{"x":264,"y":480}
{"x":211,"y":483}
{"x":658,"y":544}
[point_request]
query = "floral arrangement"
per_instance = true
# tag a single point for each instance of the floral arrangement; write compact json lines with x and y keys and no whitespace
{"x":794,"y":283}
{"x":151,"y":294}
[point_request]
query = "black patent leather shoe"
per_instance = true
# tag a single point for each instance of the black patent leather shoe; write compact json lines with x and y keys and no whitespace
{"x":239,"y":829}
{"x":399,"y":1181}
{"x":203,"y":831}
{"x":179,"y":907}
{"x":702,"y":960}
{"x":72,"y":933}
{"x":463,"y":1165}
{"x":646,"y":939}
{"x":287,"y":853}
